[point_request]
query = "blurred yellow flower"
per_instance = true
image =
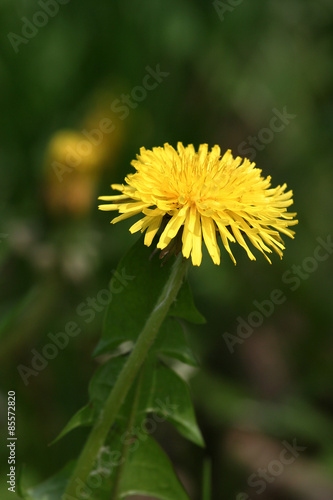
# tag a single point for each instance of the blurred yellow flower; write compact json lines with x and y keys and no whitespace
{"x":70,"y":177}
{"x":196,"y":195}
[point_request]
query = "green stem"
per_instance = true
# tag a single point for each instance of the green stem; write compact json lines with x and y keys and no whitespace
{"x":112,"y":405}
{"x":206,"y":480}
{"x":126,"y":445}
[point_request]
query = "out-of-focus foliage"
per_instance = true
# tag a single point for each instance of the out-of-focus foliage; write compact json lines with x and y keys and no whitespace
{"x":79,"y":96}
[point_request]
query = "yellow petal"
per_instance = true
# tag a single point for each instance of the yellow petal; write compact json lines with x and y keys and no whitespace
{"x":209,"y":235}
{"x":124,"y":216}
{"x":152,"y":230}
{"x":197,"y":242}
{"x":108,"y":208}
{"x":172,"y":228}
{"x":114,"y":198}
{"x":241,"y":241}
{"x":132,"y":207}
{"x":225,"y":236}
{"x":189,"y":226}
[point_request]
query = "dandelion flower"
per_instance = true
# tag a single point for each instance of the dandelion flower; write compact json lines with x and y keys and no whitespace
{"x":193,"y":196}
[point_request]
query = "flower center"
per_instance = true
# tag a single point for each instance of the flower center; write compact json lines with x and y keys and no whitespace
{"x":187,"y":199}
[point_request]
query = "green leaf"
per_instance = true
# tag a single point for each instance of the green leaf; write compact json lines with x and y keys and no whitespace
{"x":171,"y":342}
{"x":100,"y":386}
{"x":184,"y":306}
{"x":172,"y":400}
{"x":135,"y":287}
{"x":83,"y":418}
{"x":148,"y":471}
{"x":103,"y":380}
{"x":161,"y":391}
{"x":105,"y":377}
{"x":51,"y":489}
{"x":142,"y":280}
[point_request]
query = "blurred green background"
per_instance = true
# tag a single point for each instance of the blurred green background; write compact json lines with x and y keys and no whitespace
{"x":228,"y":69}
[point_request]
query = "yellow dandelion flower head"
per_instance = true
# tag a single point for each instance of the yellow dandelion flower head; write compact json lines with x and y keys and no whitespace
{"x":197,"y":195}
